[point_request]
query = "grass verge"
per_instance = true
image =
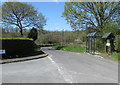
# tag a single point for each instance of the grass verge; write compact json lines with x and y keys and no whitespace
{"x":115,"y":56}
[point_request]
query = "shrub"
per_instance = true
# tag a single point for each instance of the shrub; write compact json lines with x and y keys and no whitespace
{"x":33,"y":34}
{"x":117,"y":43}
{"x":17,"y":47}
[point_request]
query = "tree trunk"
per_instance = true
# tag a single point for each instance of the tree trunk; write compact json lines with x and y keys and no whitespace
{"x":21,"y":32}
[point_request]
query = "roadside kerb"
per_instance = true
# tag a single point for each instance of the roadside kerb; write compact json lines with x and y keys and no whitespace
{"x":23,"y":59}
{"x":45,"y":52}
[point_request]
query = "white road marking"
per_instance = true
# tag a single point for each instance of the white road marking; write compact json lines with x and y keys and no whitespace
{"x":67,"y":77}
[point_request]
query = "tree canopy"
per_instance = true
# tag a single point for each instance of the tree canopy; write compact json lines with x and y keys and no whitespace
{"x":22,"y":15}
{"x":81,"y":15}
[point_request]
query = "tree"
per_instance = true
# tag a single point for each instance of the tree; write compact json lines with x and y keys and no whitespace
{"x":21,"y":15}
{"x":39,"y":22}
{"x":111,"y":27}
{"x":81,"y":15}
{"x":33,"y":34}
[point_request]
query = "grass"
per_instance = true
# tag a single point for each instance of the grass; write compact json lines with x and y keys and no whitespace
{"x":70,"y":48}
{"x":115,"y":56}
{"x":58,"y":47}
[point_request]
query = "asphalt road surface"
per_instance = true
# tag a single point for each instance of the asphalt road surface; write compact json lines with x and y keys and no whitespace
{"x":62,"y":67}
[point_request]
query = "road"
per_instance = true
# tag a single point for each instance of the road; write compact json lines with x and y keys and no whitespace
{"x":62,"y":67}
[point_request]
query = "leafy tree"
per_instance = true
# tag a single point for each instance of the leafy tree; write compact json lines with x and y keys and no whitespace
{"x":111,"y":27}
{"x":21,"y":15}
{"x":39,"y":21}
{"x":90,"y":14}
{"x":33,"y":34}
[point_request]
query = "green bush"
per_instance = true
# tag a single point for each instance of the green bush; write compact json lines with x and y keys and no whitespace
{"x":117,"y":43}
{"x":33,"y":34}
{"x":17,"y":47}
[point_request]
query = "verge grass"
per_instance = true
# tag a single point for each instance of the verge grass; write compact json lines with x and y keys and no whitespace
{"x":115,"y":56}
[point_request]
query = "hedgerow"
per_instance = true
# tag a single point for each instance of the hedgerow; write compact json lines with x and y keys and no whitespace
{"x":16,"y":38}
{"x":117,"y":43}
{"x":17,"y":46}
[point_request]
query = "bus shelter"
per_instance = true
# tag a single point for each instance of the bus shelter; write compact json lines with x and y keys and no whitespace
{"x":91,"y":40}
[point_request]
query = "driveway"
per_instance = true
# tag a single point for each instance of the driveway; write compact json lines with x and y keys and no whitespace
{"x":62,"y":67}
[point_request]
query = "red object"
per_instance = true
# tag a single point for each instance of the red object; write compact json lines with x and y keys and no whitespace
{"x":107,"y":54}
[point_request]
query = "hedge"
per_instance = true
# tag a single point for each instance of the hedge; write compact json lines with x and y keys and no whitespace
{"x":16,"y":38}
{"x":117,"y":43}
{"x":17,"y":46}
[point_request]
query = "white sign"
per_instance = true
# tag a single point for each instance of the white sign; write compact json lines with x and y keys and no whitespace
{"x":107,"y":44}
{"x":2,"y":51}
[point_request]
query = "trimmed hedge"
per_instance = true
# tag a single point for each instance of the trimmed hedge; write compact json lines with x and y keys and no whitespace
{"x":17,"y":47}
{"x":16,"y":38}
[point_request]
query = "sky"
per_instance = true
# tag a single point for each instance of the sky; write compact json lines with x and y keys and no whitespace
{"x":53,"y":12}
